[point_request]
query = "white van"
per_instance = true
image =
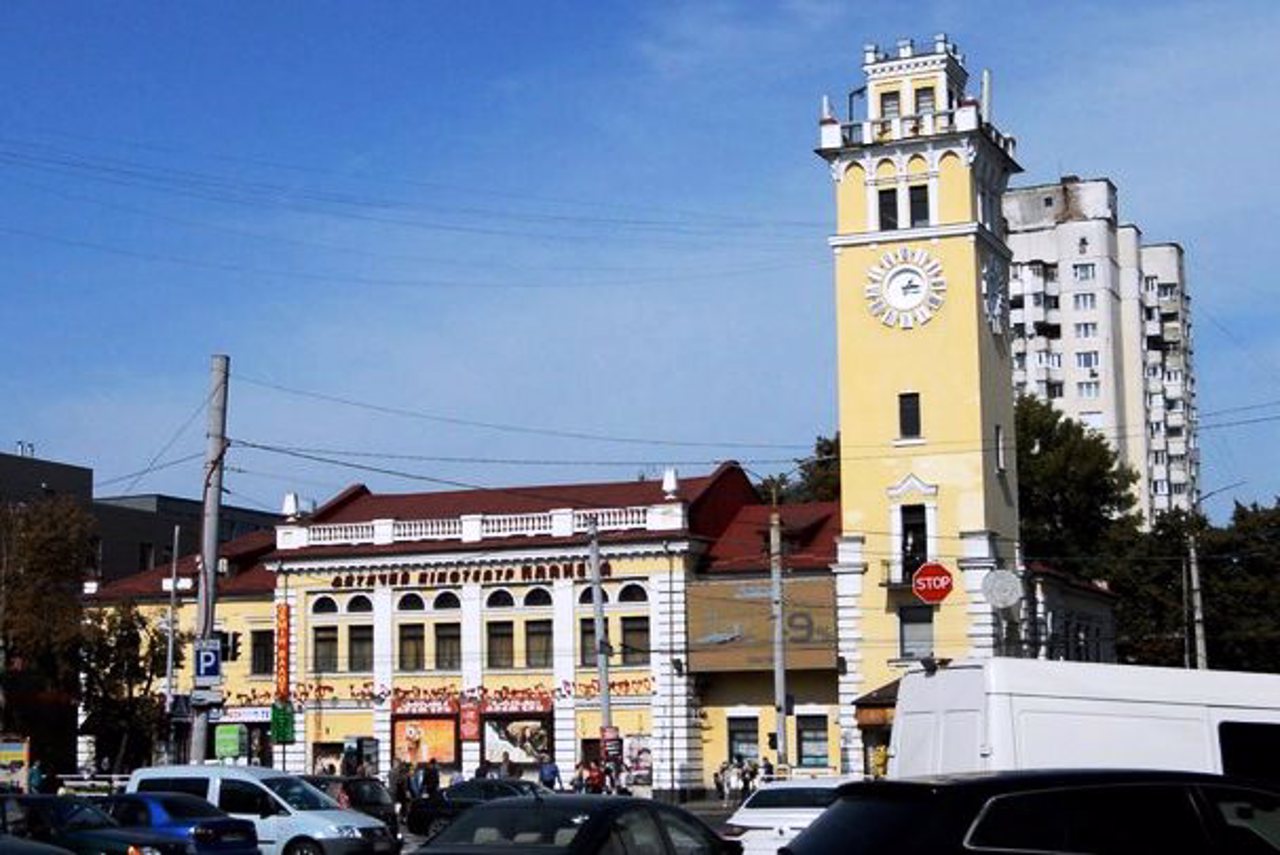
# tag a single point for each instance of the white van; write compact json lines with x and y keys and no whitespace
{"x":996,"y":714}
{"x":292,"y":817}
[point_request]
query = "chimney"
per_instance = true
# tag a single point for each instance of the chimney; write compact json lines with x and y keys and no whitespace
{"x":670,"y":483}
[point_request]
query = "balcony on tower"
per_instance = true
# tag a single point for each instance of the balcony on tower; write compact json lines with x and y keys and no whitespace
{"x":912,"y":93}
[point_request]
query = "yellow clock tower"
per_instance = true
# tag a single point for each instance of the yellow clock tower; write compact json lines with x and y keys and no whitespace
{"x":925,"y":382}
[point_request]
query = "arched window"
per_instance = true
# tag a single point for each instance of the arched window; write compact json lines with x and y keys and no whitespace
{"x":324,"y":606}
{"x":410,"y":603}
{"x":537,"y":597}
{"x":500,"y":599}
{"x":446,"y":600}
{"x":585,"y":597}
{"x":633,"y":593}
{"x":359,"y":603}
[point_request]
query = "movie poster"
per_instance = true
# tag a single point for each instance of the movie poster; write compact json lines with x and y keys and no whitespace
{"x":522,"y":739}
{"x":418,"y":740}
{"x":639,"y":758}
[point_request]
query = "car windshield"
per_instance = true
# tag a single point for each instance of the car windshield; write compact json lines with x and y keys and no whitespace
{"x":298,"y":794}
{"x":75,"y":815}
{"x":528,"y":788}
{"x":365,"y":792}
{"x":188,"y":807}
{"x":792,"y":797}
{"x":538,"y":825}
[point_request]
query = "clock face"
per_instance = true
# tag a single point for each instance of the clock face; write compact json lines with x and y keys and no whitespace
{"x":905,"y":288}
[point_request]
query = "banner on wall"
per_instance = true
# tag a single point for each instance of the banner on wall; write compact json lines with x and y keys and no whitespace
{"x":418,"y":740}
{"x":521,"y":739}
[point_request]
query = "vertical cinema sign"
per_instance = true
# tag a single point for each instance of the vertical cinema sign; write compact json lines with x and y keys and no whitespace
{"x":282,"y":651}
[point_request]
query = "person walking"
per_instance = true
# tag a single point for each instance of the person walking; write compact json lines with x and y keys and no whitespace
{"x":549,"y":773}
{"x":431,"y":780}
{"x":35,"y":778}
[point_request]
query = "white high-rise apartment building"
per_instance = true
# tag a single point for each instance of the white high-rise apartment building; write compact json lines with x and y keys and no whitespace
{"x":1101,"y":328}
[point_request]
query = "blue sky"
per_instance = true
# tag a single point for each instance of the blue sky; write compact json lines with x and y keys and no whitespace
{"x":535,"y":230}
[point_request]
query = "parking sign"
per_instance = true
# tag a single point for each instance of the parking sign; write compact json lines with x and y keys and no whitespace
{"x":208,"y":662}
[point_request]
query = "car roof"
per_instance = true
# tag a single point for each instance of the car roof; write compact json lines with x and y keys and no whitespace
{"x":831,"y":782}
{"x":1024,"y":779}
{"x":210,"y":771}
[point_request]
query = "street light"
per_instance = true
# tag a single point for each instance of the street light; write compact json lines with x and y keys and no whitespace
{"x":1197,"y":602}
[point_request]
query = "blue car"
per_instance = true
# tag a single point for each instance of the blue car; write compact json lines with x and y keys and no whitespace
{"x":185,"y":818}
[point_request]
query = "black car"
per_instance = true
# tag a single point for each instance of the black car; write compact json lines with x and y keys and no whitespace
{"x":362,"y":793}
{"x":579,"y":825}
{"x":1103,"y":812}
{"x":428,"y":815}
{"x":75,"y":824}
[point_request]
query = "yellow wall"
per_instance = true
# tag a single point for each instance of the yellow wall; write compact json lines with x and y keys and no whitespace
{"x":724,"y":695}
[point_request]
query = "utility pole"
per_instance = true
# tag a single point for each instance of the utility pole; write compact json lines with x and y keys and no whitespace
{"x":215,"y":452}
{"x":1197,"y":603}
{"x":602,"y":642}
{"x":779,"y":638}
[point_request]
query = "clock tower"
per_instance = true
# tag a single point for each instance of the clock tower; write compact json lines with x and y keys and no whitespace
{"x":927,"y":468}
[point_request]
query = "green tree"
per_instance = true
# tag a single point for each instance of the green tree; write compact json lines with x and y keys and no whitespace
{"x":1238,"y":569}
{"x":1148,"y":576}
{"x":45,"y":549}
{"x":124,"y":658}
{"x":817,"y":476}
{"x":1075,"y":497}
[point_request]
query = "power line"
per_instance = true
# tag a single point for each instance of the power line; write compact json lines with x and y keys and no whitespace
{"x":151,"y":468}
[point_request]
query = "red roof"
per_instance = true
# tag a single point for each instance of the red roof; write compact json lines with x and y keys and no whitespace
{"x":809,"y":533}
{"x":358,"y":504}
{"x":247,"y":575}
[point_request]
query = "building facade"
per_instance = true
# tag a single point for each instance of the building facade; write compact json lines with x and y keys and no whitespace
{"x":926,"y":409}
{"x":1101,"y":329}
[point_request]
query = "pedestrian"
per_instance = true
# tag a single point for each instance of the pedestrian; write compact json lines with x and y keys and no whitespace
{"x":506,"y":769}
{"x":766,"y":770}
{"x":594,"y":778}
{"x":431,"y":780}
{"x":579,"y":782}
{"x":733,"y":783}
{"x":482,"y":771}
{"x":622,"y":780}
{"x":35,"y":778}
{"x":549,"y":773}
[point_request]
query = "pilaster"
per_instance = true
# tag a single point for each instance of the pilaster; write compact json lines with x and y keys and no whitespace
{"x":850,"y":572}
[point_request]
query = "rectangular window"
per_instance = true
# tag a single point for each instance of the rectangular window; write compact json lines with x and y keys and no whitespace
{"x":1083,"y":272}
{"x":1087,"y":359}
{"x":811,"y":739}
{"x":500,"y":644}
{"x":919,"y":196}
{"x":537,"y":643}
{"x":1084,"y":301}
{"x":1000,"y":451}
{"x":925,"y":100}
{"x":744,"y":739}
{"x":909,"y":415}
{"x":1158,"y":458}
{"x":1166,"y":290}
{"x":587,"y":642}
{"x":448,"y":646}
{"x":1051,"y":273}
{"x":1088,"y":389}
{"x":915,"y":631}
{"x":1037,"y":299}
{"x":413,"y":647}
{"x":1086,"y":330}
{"x":915,"y":536}
{"x":635,"y":641}
{"x":888,"y":210}
{"x":324,"y":647}
{"x":262,"y":654}
{"x":1149,"y":282}
{"x":890,"y":105}
{"x":359,"y":648}
{"x":1020,"y":361}
{"x":1051,"y":301}
{"x":1053,"y":389}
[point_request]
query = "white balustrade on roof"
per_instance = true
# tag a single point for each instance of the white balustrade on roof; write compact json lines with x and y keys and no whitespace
{"x":559,"y":523}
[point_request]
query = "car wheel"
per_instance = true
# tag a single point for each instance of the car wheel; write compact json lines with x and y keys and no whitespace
{"x":304,"y":847}
{"x":437,"y":825}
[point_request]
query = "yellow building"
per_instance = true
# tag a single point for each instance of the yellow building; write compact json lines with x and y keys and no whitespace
{"x":926,"y":412}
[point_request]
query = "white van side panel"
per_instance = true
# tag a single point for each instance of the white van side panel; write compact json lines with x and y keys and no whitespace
{"x":1055,"y":733}
{"x":943,"y":726}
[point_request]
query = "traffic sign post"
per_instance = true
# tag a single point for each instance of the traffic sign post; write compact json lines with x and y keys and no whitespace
{"x":208,"y":663}
{"x":931,"y":583}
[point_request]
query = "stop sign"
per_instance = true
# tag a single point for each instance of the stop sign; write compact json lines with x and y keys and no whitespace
{"x":931,"y":583}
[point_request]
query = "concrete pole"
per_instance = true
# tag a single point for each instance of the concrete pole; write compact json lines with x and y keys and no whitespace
{"x":779,"y":636}
{"x":168,"y":654}
{"x":207,"y":597}
{"x":602,"y":641}
{"x":1197,"y":604}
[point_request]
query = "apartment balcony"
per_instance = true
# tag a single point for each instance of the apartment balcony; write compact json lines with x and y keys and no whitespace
{"x":1159,"y":472}
{"x":1017,"y":316}
{"x":1152,"y":328}
{"x":1178,"y":475}
{"x":1173,"y":390}
{"x":1158,"y":442}
{"x":1154,"y":385}
{"x":1176,"y":445}
{"x":1033,"y":315}
{"x":1172,"y":332}
{"x":1175,"y":419}
{"x":1153,"y":357}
